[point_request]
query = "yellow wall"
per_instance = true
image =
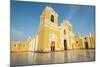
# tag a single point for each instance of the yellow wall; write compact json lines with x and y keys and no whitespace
{"x":44,"y":42}
{"x":20,"y":46}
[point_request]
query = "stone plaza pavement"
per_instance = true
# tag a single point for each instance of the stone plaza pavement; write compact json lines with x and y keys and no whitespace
{"x":33,"y":58}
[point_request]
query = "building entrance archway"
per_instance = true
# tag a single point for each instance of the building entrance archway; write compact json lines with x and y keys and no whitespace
{"x":52,"y":46}
{"x":65,"y":44}
{"x":86,"y":45}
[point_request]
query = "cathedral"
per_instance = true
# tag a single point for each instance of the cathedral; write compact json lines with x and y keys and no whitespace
{"x":52,"y":37}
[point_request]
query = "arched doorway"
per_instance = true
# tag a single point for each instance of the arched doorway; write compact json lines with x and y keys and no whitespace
{"x":65,"y":44}
{"x":86,"y":45}
{"x":52,"y":45}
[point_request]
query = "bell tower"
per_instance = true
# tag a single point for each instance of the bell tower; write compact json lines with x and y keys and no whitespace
{"x":49,"y":16}
{"x":48,"y":32}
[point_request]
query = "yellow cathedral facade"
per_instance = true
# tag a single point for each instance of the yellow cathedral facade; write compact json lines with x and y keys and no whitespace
{"x":52,"y":37}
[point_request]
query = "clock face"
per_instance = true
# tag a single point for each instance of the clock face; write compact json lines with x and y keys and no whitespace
{"x":52,"y":18}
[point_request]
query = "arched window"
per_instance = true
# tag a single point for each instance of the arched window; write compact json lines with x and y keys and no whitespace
{"x":65,"y":32}
{"x":52,"y":18}
{"x":69,"y":28}
{"x":85,"y":38}
{"x":14,"y":45}
{"x":77,"y":42}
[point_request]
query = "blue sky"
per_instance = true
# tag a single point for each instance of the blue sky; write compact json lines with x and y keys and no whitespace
{"x":25,"y":18}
